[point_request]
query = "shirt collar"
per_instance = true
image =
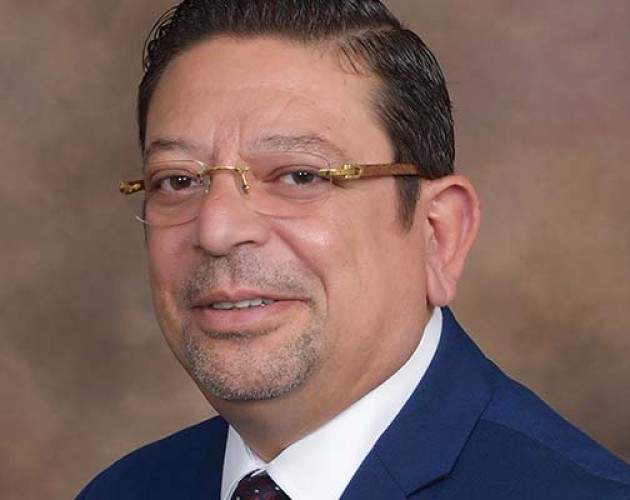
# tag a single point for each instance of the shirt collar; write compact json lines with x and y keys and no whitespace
{"x":321,"y":464}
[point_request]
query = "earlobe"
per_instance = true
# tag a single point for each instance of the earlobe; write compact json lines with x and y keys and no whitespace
{"x":452,"y":215}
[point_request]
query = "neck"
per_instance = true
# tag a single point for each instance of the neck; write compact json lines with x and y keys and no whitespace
{"x":270,"y":426}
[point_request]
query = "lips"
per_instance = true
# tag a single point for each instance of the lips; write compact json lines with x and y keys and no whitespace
{"x":229,"y":299}
{"x":244,"y":310}
{"x":241,"y":304}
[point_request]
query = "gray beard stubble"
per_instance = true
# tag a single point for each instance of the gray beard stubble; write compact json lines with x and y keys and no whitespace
{"x":286,"y":369}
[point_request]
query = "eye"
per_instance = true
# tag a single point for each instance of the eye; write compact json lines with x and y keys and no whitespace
{"x":175,"y":182}
{"x":303,"y":177}
{"x":297,"y":183}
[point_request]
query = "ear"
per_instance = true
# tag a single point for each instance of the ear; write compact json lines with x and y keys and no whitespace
{"x":451,"y":213}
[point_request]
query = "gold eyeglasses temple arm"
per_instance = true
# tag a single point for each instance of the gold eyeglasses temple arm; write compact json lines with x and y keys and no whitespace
{"x":351,"y":171}
{"x":130,"y":187}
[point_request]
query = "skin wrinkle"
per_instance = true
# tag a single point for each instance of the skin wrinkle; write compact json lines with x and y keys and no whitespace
{"x":245,"y":268}
{"x":305,"y":142}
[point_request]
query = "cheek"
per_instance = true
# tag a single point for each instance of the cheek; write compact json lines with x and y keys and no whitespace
{"x":323,"y":243}
{"x":168,"y":268}
{"x":344,"y":252}
{"x":366,"y":258}
{"x":162,"y":258}
{"x":167,"y":257}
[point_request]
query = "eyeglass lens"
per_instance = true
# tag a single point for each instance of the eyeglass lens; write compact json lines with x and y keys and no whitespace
{"x":277,"y":185}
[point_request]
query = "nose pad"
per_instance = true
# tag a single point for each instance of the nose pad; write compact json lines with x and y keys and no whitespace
{"x":239,"y":173}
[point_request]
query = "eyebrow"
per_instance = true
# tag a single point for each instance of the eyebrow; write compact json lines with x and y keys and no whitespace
{"x":303,"y":143}
{"x":162,"y":145}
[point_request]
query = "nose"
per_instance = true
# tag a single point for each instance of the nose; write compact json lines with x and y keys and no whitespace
{"x":226,"y":219}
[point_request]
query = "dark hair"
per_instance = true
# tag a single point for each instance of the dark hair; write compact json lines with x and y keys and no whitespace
{"x":412,"y":102}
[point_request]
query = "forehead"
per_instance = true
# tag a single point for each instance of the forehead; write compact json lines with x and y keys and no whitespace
{"x":232,"y":91}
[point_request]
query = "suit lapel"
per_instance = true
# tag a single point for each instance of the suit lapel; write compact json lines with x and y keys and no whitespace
{"x":424,"y":441}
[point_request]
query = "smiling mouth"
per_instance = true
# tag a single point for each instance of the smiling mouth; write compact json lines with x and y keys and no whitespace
{"x":241,"y":304}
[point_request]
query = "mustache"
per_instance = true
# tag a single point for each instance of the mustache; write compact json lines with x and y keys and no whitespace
{"x":248,"y":270}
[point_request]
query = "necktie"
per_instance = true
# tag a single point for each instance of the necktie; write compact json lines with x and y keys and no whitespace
{"x":258,"y":487}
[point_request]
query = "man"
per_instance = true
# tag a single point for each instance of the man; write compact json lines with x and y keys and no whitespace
{"x":305,"y":233}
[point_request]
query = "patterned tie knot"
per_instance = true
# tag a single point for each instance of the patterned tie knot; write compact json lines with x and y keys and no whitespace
{"x":258,"y":486}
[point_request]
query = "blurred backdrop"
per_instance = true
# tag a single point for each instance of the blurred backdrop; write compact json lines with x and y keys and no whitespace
{"x":543,"y":121}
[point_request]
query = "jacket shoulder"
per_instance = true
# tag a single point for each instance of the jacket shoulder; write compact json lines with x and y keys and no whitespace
{"x":502,"y":462}
{"x":188,"y":460}
{"x":526,"y":438}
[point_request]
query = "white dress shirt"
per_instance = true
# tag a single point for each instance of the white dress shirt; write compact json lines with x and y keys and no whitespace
{"x":321,"y":464}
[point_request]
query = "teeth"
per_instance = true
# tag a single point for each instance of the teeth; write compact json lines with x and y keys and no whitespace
{"x":241,"y":304}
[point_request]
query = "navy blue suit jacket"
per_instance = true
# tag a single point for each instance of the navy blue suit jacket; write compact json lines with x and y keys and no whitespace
{"x":467,"y":432}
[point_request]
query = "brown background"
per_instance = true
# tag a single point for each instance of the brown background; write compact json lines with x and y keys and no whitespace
{"x":542,"y":107}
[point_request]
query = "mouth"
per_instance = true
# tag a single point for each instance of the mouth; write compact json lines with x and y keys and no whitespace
{"x":241,"y":304}
{"x":249,"y":312}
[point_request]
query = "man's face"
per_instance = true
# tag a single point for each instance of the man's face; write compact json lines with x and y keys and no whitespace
{"x":343,"y":285}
